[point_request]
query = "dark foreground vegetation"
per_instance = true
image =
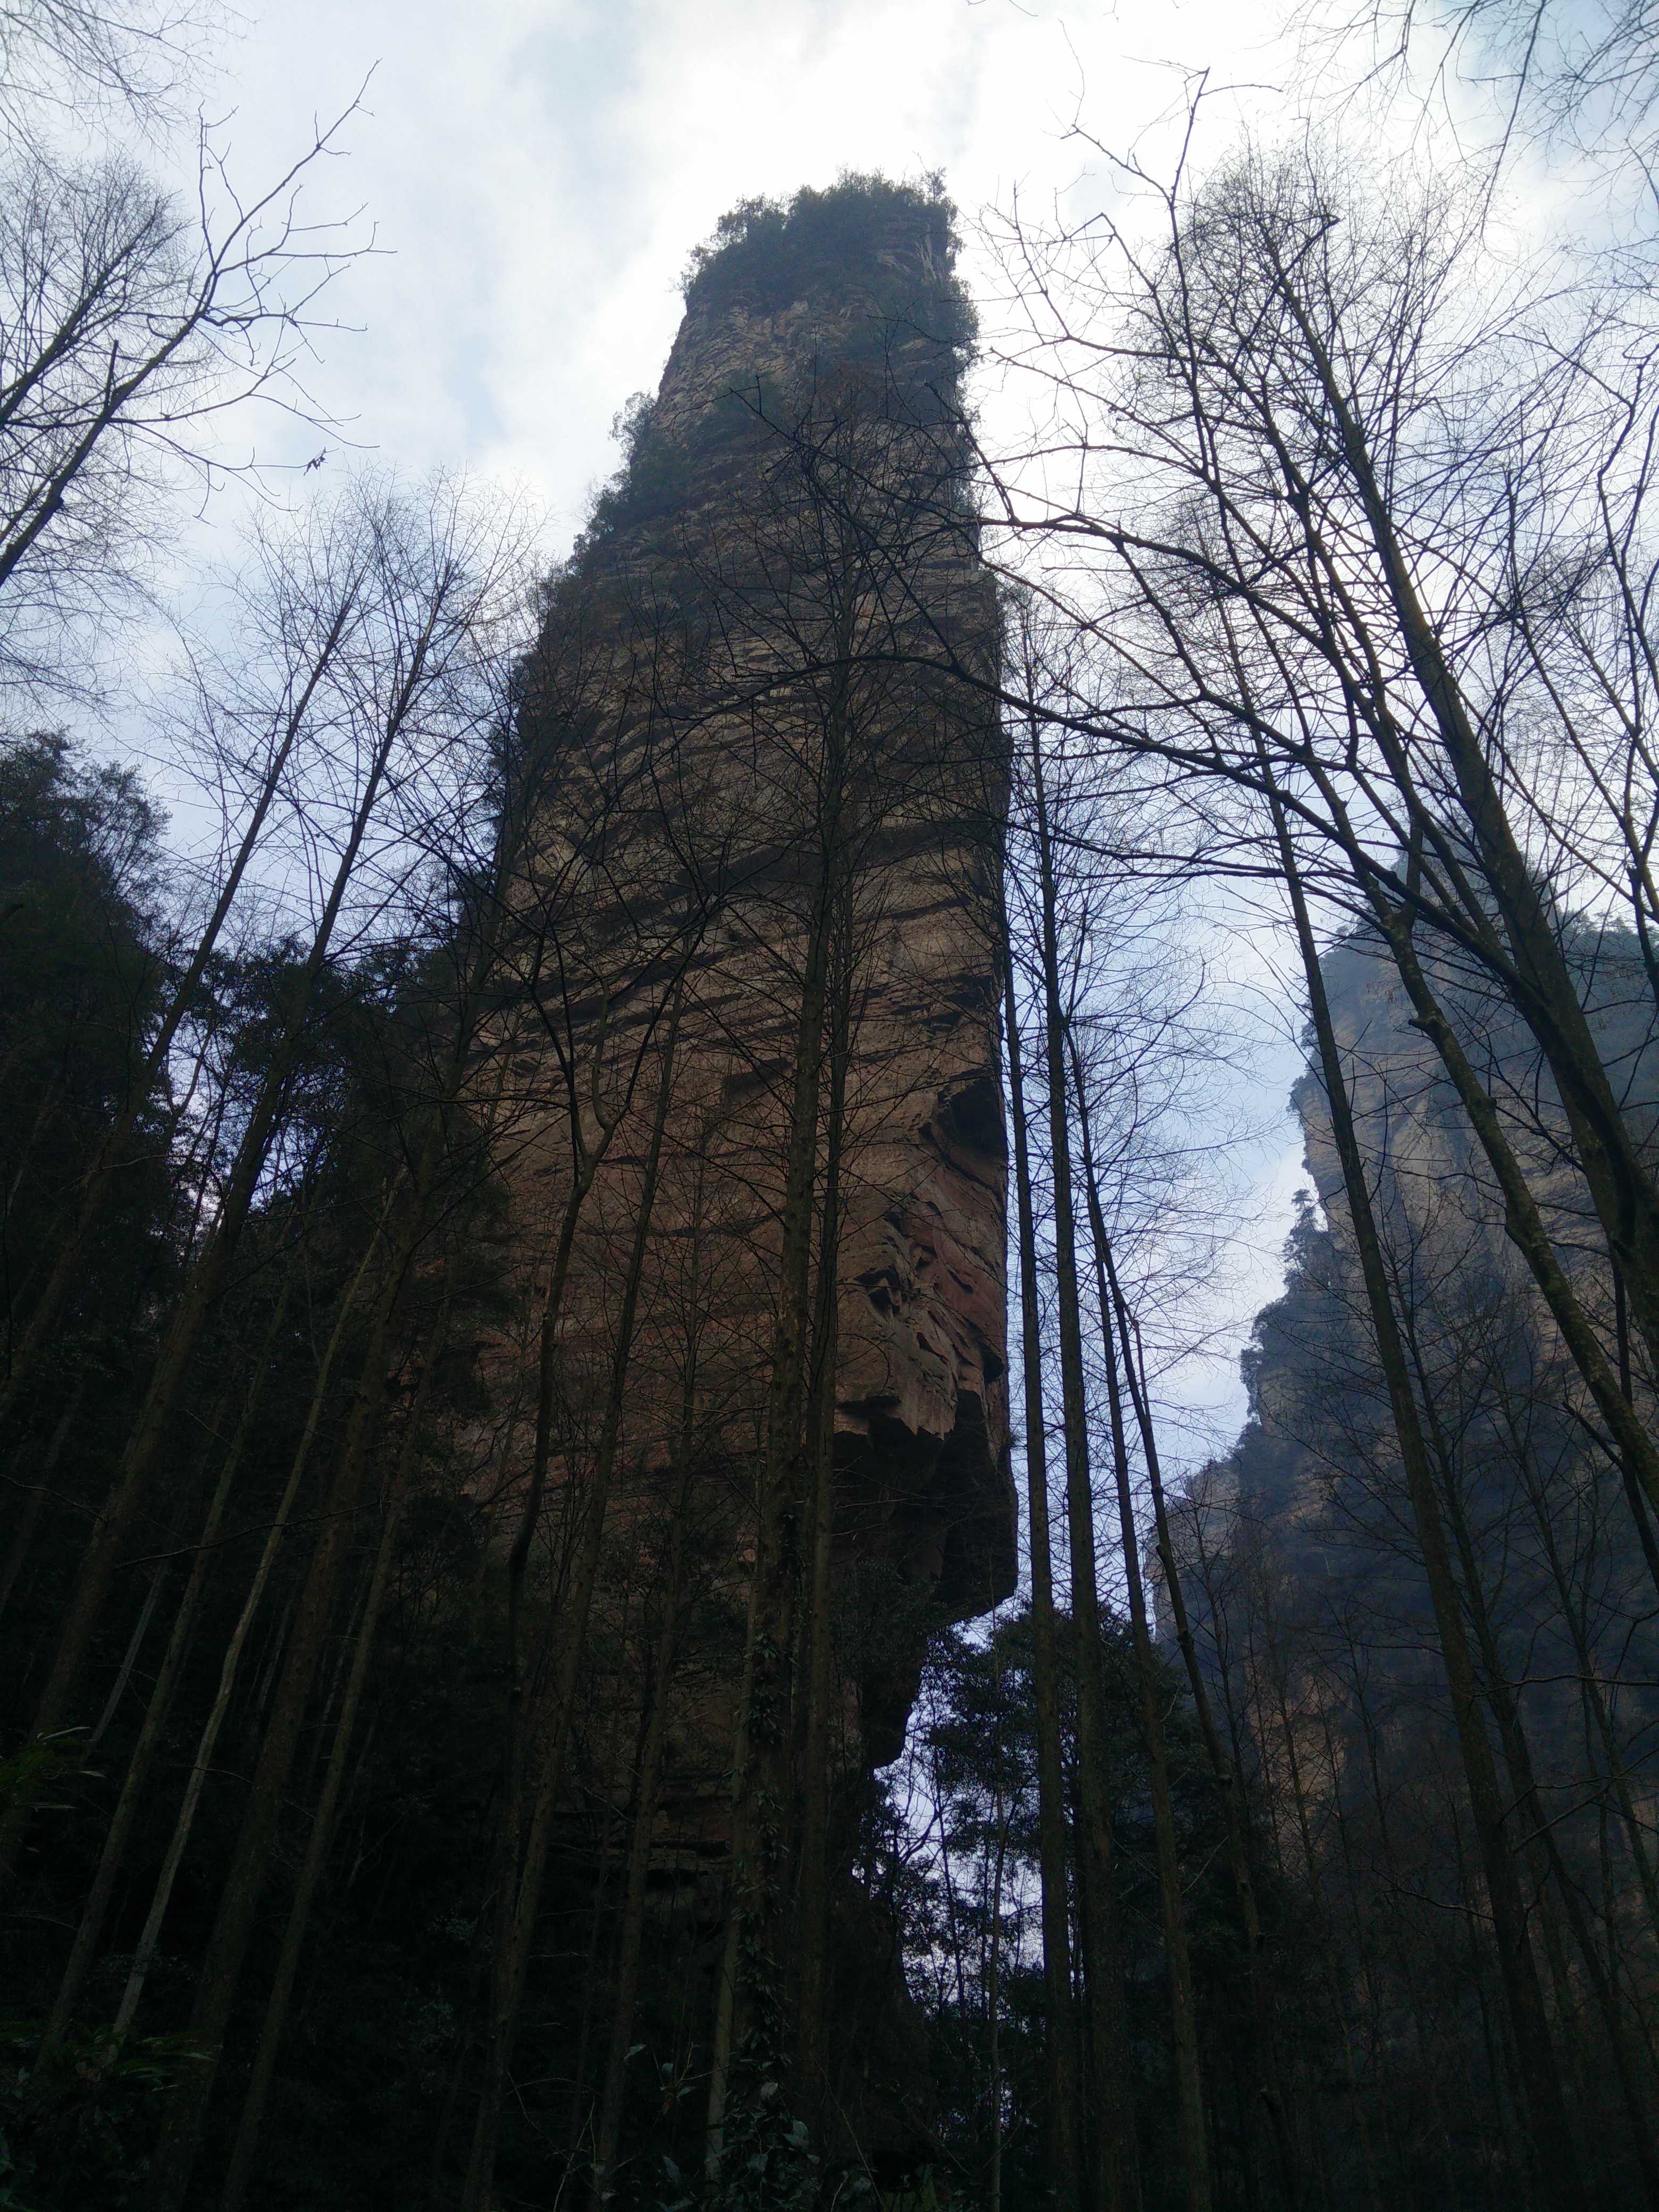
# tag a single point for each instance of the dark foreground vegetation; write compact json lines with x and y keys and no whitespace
{"x":1289,"y":1841}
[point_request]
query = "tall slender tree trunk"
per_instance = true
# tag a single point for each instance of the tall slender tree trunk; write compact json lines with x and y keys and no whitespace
{"x":1192,"y":2131}
{"x":525,"y":1858}
{"x":582,"y":2117}
{"x":1524,"y":1220}
{"x":38,"y":1492}
{"x":1117,"y":2164}
{"x":631,"y":1935}
{"x":233,"y":1928}
{"x":1262,"y":2059}
{"x":102,"y":1172}
{"x":229,"y":1665}
{"x":817,"y":1637}
{"x":1528,"y":1800}
{"x":1595,"y":1709}
{"x":993,"y":1999}
{"x":1545,"y":2115}
{"x":119,"y":1687}
{"x":1060,"y":2041}
{"x":587,"y":1157}
{"x":1628,"y":1473}
{"x":206,"y":1280}
{"x":1340,"y":2006}
{"x":720,"y":2041}
{"x":1618,"y":1180}
{"x":757,"y":1907}
{"x":322,"y":1827}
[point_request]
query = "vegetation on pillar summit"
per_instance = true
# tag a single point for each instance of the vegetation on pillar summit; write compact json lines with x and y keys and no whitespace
{"x":889,"y":249}
{"x":876,"y":260}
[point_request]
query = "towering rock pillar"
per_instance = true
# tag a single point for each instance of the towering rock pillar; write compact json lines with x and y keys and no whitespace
{"x":750,"y":729}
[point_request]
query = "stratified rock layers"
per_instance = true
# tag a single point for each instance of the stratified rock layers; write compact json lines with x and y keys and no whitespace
{"x":759,"y":698}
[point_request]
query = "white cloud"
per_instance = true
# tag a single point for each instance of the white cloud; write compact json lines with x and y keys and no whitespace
{"x":538,"y":173}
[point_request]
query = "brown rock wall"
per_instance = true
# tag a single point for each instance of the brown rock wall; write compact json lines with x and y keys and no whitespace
{"x":788,"y":570}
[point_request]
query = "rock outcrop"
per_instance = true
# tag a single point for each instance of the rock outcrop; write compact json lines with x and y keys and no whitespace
{"x":756,"y":702}
{"x":1309,"y":1511}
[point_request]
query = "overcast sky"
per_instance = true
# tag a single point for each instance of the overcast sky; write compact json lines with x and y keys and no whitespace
{"x":538,"y":173}
{"x":539,"y":170}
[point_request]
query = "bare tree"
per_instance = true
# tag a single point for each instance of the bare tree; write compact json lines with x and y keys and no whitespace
{"x":1287,"y":576}
{"x":1060,"y":2026}
{"x":136,"y":64}
{"x":268,"y":724}
{"x":132,"y":326}
{"x":408,"y":701}
{"x":1513,"y":73}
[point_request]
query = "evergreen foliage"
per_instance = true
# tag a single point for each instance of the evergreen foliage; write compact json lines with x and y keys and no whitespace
{"x":901,"y":237}
{"x":872,"y":264}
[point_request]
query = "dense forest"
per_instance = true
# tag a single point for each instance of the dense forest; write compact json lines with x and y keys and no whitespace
{"x":497,"y":1707}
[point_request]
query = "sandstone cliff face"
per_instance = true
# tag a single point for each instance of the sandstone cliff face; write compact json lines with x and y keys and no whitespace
{"x":1312,"y":1499}
{"x":780,"y":583}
